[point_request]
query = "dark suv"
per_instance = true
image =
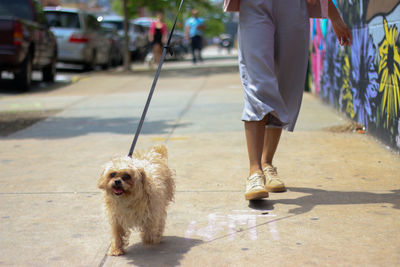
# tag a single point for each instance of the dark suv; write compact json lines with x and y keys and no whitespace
{"x":26,"y":42}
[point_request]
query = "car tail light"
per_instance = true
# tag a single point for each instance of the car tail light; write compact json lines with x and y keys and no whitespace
{"x":18,"y":35}
{"x":78,"y":38}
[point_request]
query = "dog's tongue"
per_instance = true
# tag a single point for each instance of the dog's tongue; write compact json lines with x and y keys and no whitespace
{"x":118,"y":191}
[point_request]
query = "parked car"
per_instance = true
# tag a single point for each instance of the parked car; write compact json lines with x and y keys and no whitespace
{"x":26,"y":42}
{"x":116,"y":42}
{"x":80,"y":38}
{"x":178,"y":45}
{"x":138,"y":40}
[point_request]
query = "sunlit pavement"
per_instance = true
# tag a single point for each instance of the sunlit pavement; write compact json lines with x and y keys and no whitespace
{"x":342,"y":206}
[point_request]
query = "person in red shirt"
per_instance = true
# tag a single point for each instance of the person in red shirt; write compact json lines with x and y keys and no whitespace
{"x":158,"y":35}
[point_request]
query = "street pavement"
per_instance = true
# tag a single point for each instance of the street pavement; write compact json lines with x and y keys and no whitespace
{"x":342,"y":206}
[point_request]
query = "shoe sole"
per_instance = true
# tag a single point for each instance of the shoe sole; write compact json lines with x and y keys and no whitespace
{"x":275,"y":189}
{"x":256,"y":195}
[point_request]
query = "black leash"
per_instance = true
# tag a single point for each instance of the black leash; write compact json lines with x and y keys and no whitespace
{"x":166,"y":49}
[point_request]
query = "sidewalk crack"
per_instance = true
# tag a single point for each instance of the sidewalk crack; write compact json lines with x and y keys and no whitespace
{"x":187,"y":107}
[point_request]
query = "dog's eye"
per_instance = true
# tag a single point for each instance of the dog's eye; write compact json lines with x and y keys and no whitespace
{"x":112,"y":175}
{"x":126,"y":177}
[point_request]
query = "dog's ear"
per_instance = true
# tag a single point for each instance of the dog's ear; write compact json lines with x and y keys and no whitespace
{"x":102,"y":180}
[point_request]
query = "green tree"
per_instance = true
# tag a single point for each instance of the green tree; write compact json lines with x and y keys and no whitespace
{"x":211,"y":11}
{"x":134,"y":6}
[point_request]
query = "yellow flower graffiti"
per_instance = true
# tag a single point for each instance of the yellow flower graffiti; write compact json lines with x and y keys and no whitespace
{"x":347,"y":94}
{"x":389,"y":72}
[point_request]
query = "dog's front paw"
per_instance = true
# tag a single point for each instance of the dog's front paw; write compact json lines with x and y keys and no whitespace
{"x":116,"y":252}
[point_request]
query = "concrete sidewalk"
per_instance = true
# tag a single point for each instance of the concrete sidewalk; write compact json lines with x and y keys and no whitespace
{"x":342,"y":206}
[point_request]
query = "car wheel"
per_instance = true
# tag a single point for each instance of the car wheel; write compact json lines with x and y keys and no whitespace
{"x":108,"y":64}
{"x":120,"y":60}
{"x":23,"y":77}
{"x":92,"y":63}
{"x":49,"y":72}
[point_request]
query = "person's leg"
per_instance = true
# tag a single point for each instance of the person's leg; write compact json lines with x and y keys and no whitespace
{"x":193,"y":45}
{"x":157,"y":51}
{"x":254,"y":131}
{"x":199,"y":55}
{"x":273,"y":182}
{"x":200,"y":47}
{"x":255,"y":187}
{"x":256,"y":65}
{"x":271,"y":141}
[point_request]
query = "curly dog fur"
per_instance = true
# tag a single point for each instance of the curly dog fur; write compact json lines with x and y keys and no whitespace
{"x":137,"y":192}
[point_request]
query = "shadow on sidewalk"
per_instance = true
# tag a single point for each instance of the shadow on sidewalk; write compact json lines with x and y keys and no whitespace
{"x":317,"y":197}
{"x":60,"y":127}
{"x":169,"y":253}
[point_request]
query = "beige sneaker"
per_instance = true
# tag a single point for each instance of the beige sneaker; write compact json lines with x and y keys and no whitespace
{"x":273,"y":183}
{"x":255,"y":187}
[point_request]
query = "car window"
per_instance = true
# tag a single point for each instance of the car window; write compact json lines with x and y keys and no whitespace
{"x":118,"y":24}
{"x":19,"y":8}
{"x":108,"y":28}
{"x":92,"y":23}
{"x":63,"y":19}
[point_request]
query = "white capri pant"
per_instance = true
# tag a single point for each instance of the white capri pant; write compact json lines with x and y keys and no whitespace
{"x":273,"y":55}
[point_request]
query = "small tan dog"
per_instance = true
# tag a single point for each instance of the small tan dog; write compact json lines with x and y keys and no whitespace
{"x":137,"y":192}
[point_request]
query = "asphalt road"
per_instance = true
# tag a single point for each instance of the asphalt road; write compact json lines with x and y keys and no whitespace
{"x":66,"y":74}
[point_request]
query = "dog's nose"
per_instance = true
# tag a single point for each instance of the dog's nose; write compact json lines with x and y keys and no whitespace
{"x":117,"y":182}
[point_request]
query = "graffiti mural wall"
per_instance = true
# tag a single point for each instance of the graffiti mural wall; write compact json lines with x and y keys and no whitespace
{"x":362,"y":80}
